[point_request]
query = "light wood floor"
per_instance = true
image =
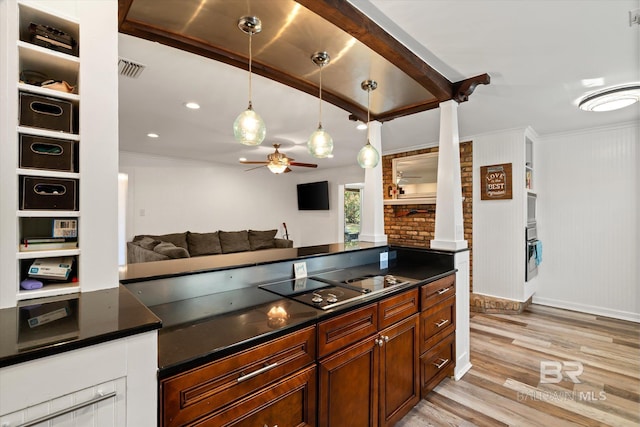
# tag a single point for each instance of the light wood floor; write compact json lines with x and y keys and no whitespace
{"x":504,"y":388}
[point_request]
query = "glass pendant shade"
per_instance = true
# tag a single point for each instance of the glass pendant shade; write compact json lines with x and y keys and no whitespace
{"x":368,"y":157}
{"x":320,"y":143}
{"x":276,"y":167}
{"x":249,"y":128}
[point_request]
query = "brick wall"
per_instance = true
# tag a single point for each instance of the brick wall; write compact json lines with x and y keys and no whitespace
{"x":417,"y":229}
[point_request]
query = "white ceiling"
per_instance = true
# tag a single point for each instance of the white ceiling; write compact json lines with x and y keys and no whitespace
{"x":539,"y":54}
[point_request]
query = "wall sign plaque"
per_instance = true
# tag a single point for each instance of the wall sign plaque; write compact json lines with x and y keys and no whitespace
{"x":495,"y":182}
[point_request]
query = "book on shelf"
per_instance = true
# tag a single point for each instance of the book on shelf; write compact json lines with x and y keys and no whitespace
{"x":51,"y":268}
{"x":47,"y":246}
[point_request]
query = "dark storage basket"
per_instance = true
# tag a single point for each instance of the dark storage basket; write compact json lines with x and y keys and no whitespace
{"x":48,"y":193}
{"x":40,"y":152}
{"x":46,"y":112}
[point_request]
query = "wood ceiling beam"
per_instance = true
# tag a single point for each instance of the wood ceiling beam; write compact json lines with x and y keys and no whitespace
{"x":346,"y":17}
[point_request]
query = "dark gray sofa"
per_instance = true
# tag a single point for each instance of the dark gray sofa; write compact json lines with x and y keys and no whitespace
{"x":146,"y":247}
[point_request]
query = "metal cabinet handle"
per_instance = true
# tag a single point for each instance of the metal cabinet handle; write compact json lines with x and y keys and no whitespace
{"x":257,"y":372}
{"x":385,"y":338}
{"x":441,"y":323}
{"x":73,"y":408}
{"x":445,"y":290}
{"x":441,"y":364}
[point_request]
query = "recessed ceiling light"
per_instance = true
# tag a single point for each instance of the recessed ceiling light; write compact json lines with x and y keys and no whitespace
{"x":242,"y":159}
{"x":612,"y":98}
{"x":153,"y":135}
{"x":361,"y":126}
{"x":192,"y":105}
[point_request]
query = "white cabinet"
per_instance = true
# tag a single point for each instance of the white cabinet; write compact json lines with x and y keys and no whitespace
{"x":102,"y":404}
{"x":89,"y":144}
{"x":112,"y":384}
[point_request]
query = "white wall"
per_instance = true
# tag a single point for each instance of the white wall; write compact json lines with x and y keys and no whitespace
{"x":499,"y":225}
{"x":167,"y":195}
{"x":588,"y":219}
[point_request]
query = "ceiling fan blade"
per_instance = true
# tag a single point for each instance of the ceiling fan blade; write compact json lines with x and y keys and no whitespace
{"x":249,"y":162}
{"x":304,"y":165}
{"x":257,"y":167}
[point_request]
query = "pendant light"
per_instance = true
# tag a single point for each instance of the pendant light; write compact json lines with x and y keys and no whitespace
{"x":368,"y":157}
{"x":249,"y":128}
{"x":320,"y":143}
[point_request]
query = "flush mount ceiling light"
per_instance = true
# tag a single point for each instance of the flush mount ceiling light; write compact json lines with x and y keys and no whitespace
{"x":249,"y":128}
{"x":320,"y":143}
{"x":612,"y":98}
{"x":192,"y":105}
{"x":153,"y":135}
{"x":368,"y":157}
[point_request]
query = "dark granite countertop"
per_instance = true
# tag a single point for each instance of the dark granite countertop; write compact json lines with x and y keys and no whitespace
{"x":206,"y":328}
{"x":47,"y":326}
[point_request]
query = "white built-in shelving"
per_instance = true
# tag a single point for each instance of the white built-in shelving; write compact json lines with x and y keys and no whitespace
{"x":59,"y":66}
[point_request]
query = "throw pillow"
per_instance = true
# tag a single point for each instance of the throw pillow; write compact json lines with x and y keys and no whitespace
{"x":234,"y":241}
{"x":204,"y":244}
{"x":171,"y":250}
{"x":262,"y":239}
{"x":178,"y":239}
{"x":147,"y":243}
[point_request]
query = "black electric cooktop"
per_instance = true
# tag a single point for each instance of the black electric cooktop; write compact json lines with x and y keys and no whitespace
{"x":329,"y":291}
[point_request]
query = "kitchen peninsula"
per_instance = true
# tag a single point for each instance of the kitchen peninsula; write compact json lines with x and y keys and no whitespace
{"x":232,"y":350}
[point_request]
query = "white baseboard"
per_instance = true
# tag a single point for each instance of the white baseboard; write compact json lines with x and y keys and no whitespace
{"x":600,"y":311}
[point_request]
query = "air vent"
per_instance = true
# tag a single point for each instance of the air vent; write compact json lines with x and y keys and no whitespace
{"x":128,"y":68}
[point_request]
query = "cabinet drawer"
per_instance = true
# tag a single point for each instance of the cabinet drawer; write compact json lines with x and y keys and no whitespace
{"x":347,"y":329}
{"x":188,"y":396}
{"x":437,"y":363}
{"x":437,"y":322}
{"x":396,"y":308}
{"x":437,"y":291}
{"x":291,"y":402}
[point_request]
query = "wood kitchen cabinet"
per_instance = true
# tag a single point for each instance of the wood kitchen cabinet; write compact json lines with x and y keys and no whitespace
{"x":245,"y":387}
{"x":372,"y":376}
{"x":437,"y":332}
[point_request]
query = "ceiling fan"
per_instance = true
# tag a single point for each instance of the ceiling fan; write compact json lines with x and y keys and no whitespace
{"x":277,"y":162}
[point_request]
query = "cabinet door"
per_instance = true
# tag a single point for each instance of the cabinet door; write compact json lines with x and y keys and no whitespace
{"x":399,"y":370}
{"x":348,"y":386}
{"x":289,"y":403}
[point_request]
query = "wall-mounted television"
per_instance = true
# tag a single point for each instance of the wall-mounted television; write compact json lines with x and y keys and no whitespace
{"x":313,"y":196}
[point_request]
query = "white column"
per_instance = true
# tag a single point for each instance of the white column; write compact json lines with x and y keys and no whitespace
{"x":449,"y":233}
{"x":372,"y":221}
